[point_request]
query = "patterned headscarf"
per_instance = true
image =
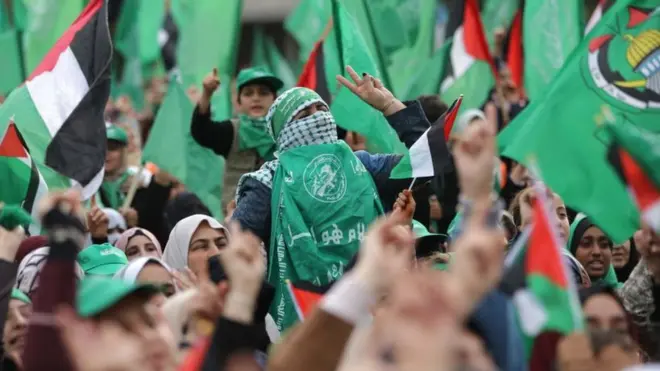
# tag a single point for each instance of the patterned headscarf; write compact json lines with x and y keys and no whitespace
{"x":319,"y":128}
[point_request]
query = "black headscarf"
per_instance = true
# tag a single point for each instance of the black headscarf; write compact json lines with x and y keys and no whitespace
{"x":623,"y":273}
{"x":182,"y":206}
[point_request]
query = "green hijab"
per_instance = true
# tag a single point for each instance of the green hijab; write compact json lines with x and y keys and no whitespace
{"x":578,"y":227}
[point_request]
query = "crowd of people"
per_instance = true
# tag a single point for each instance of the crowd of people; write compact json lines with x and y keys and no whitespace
{"x":409,"y":272}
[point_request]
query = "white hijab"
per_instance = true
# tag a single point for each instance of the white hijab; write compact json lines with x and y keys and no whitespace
{"x":176,"y":250}
{"x":27,"y":276}
{"x":129,"y":273}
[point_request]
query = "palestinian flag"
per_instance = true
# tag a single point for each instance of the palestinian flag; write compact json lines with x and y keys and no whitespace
{"x":601,"y":8}
{"x":515,"y":57}
{"x":59,"y":109}
{"x":634,"y":156}
{"x":22,"y":184}
{"x":543,"y":295}
{"x":305,"y":296}
{"x":168,"y":37}
{"x":429,"y":154}
{"x":470,"y":67}
{"x":314,"y":75}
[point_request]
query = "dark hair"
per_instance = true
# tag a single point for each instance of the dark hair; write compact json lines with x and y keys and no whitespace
{"x":433,"y":107}
{"x":256,"y":82}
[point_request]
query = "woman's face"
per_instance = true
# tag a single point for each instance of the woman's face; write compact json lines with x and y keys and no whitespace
{"x":594,"y":252}
{"x":113,"y":157}
{"x":255,"y":100}
{"x":156,"y":274}
{"x":204,"y":243}
{"x":560,"y":215}
{"x":621,"y":254}
{"x":602,"y":312}
{"x":140,"y":246}
{"x":144,"y":320}
{"x":13,"y":335}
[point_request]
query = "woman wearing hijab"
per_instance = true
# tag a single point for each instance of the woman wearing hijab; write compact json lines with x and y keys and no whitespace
{"x":192,"y":241}
{"x":15,"y":328}
{"x":149,"y":270}
{"x":312,"y":204}
{"x":624,"y":259}
{"x":593,"y":249}
{"x":138,"y":243}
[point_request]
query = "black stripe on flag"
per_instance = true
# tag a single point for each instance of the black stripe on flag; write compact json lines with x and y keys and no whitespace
{"x":77,"y":150}
{"x":168,"y":50}
{"x":33,"y":183}
{"x":321,"y":82}
{"x":440,"y":155}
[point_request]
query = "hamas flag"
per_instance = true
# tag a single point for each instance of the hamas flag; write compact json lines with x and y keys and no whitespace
{"x":635,"y":156}
{"x":542,"y":292}
{"x":22,"y":184}
{"x":613,"y":75}
{"x":429,"y":154}
{"x":59,"y":109}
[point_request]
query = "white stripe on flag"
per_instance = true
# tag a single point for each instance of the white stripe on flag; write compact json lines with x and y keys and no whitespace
{"x":421,"y":161}
{"x":57,"y":93}
{"x":652,"y":216}
{"x":92,"y":187}
{"x":461,"y":60}
{"x":532,"y":314}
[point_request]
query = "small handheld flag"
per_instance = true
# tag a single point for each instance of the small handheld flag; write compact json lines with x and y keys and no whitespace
{"x":429,"y":154}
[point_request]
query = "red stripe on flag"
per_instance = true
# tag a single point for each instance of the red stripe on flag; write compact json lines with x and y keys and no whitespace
{"x":50,"y":60}
{"x":515,"y":52}
{"x":643,"y":189}
{"x":12,"y":145}
{"x":308,"y":77}
{"x":304,"y":300}
{"x":450,"y":116}
{"x":474,"y":36}
{"x":543,"y":256}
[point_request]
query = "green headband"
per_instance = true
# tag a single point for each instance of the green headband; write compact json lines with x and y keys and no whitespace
{"x":286,"y":105}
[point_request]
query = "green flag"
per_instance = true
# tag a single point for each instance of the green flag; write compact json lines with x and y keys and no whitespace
{"x":307,"y":22}
{"x":551,"y":30}
{"x":496,"y":14}
{"x":46,"y":21}
{"x":609,"y":77}
{"x":409,"y":60}
{"x":200,"y":50}
{"x":427,"y":79}
{"x":10,"y":63}
{"x":171,"y":147}
{"x":350,"y":111}
{"x":265,"y":53}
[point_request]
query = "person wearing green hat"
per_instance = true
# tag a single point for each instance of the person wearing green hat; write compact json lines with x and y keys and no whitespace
{"x":243,"y":141}
{"x":427,"y":243}
{"x":15,"y":329}
{"x":115,"y":167}
{"x":101,"y":260}
{"x":312,"y":204}
{"x":116,"y":303}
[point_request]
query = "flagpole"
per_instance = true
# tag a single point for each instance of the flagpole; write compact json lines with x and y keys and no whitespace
{"x":412,"y":183}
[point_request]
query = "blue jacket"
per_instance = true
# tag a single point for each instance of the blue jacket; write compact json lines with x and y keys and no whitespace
{"x":253,"y":212}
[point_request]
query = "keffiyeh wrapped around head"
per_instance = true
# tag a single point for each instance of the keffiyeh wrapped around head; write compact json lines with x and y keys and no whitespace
{"x":318,"y":128}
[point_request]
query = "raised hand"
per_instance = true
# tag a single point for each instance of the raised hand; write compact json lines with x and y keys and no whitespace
{"x":475,"y":158}
{"x":404,"y":206}
{"x":371,"y":91}
{"x":647,"y":243}
{"x":211,"y":83}
{"x":97,"y":222}
{"x":89,"y":344}
{"x":387,"y":247}
{"x":245,"y":268}
{"x":130,"y":215}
